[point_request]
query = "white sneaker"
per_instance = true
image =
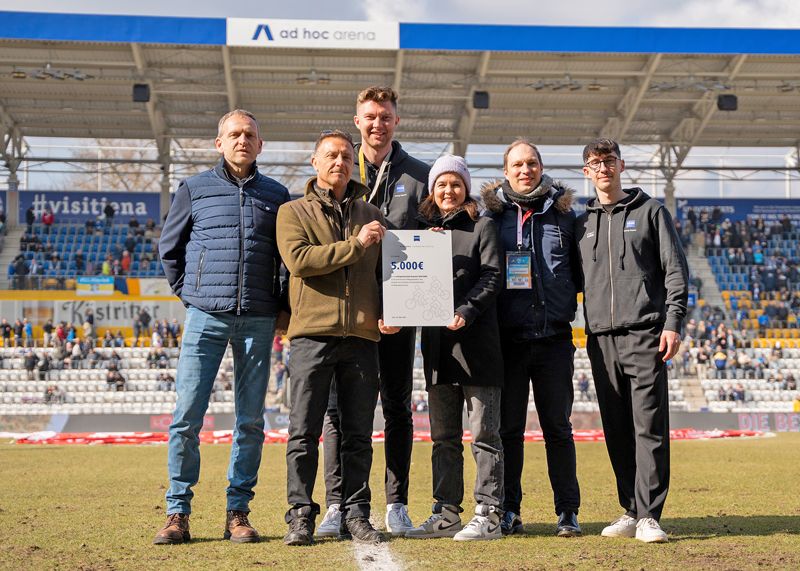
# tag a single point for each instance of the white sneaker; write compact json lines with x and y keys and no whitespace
{"x":648,"y":530}
{"x":625,"y":526}
{"x":397,"y":520}
{"x":330,"y":523}
{"x":484,"y":525}
{"x":444,"y":524}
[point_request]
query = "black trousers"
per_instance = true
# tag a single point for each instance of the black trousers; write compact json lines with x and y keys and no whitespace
{"x":314,"y":363}
{"x":547,"y":366}
{"x":396,"y":355}
{"x":631,"y":383}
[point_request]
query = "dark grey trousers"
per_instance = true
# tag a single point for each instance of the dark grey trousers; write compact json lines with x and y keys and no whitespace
{"x":314,"y":363}
{"x":632,"y":391}
{"x":396,"y":354}
{"x":447,"y":428}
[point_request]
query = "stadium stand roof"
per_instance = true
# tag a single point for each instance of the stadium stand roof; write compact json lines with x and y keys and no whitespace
{"x":68,"y":75}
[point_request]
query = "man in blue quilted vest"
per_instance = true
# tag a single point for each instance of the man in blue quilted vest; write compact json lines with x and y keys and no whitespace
{"x":220,"y":257}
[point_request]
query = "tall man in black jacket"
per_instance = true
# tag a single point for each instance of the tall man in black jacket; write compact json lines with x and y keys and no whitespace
{"x":220,"y":256}
{"x":635,"y":300}
{"x":398,"y":184}
{"x":536,"y":224}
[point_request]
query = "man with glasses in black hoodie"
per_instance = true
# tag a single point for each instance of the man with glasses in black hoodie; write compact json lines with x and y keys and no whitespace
{"x":636,"y":284}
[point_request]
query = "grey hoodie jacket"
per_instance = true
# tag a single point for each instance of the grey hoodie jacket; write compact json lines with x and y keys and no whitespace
{"x":634,"y":269}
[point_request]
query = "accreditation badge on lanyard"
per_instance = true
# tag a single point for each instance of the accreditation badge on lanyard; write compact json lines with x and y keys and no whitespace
{"x":519,"y":273}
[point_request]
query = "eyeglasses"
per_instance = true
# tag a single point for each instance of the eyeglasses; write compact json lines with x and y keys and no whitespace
{"x":610,"y":162}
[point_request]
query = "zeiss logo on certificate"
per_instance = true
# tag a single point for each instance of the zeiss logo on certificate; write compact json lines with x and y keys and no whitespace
{"x":417,"y":278}
{"x":271,"y":33}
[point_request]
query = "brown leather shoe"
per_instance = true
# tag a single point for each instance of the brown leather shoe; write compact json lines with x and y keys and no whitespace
{"x":238,"y":528}
{"x":176,"y":530}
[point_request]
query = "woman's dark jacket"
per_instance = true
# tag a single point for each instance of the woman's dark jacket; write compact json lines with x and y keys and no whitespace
{"x":470,"y":355}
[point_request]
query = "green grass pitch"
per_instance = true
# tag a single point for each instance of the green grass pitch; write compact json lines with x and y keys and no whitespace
{"x":732,"y":505}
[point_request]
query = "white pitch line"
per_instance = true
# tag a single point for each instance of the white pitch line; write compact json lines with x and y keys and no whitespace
{"x":372,"y":557}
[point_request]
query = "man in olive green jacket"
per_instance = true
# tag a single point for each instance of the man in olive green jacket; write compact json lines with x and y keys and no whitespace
{"x":329,"y":240}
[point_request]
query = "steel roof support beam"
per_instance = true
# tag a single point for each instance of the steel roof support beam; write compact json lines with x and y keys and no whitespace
{"x":470,"y":115}
{"x":12,"y":143}
{"x":159,"y":126}
{"x":689,"y":131}
{"x":12,"y":150}
{"x":616,"y":127}
{"x":230,"y":85}
{"x":398,"y":71}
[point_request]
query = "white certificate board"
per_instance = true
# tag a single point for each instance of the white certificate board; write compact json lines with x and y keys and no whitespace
{"x":417,"y":278}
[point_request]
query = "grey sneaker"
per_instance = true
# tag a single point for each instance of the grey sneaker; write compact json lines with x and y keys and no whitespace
{"x":331,"y":522}
{"x":360,"y":530}
{"x":624,"y":526}
{"x":397,"y":520}
{"x":444,"y":523}
{"x":484,"y":525}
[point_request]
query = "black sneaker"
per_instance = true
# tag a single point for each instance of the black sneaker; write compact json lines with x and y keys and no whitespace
{"x":511,"y":523}
{"x":567,"y":525}
{"x":360,"y":529}
{"x":301,"y":526}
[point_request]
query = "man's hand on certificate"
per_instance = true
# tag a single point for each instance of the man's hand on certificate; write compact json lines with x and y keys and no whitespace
{"x":457,"y":323}
{"x":371,"y":233}
{"x":387,"y":329}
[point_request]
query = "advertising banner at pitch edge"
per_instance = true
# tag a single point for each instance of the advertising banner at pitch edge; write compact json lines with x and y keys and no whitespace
{"x":274,"y":33}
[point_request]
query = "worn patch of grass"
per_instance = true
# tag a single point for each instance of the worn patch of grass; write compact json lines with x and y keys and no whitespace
{"x":732,"y":505}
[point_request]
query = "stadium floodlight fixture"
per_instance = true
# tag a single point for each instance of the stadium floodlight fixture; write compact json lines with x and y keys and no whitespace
{"x":313,"y":78}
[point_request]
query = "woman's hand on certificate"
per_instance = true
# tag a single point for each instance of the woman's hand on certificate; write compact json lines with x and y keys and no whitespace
{"x":387,"y":329}
{"x":457,"y":323}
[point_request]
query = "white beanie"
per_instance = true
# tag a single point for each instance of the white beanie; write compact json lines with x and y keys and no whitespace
{"x":449,"y":163}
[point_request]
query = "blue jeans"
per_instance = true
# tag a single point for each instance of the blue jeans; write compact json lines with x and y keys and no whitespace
{"x":205,"y":338}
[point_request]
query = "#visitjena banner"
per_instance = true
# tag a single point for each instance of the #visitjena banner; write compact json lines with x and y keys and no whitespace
{"x":417,"y":278}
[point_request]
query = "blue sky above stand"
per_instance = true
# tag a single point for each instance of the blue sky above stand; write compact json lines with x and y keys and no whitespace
{"x":677,"y":13}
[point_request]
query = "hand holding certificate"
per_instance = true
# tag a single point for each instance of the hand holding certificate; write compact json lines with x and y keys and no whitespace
{"x":417,"y":278}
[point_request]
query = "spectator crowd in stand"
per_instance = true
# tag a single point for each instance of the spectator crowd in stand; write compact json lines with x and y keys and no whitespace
{"x":773,"y":270}
{"x":39,"y":257}
{"x":712,"y":349}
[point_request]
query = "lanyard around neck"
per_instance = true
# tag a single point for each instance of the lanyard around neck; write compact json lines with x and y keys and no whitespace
{"x":362,"y":171}
{"x":521,"y":218}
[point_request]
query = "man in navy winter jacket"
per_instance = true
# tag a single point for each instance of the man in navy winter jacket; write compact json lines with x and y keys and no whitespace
{"x":219,"y":253}
{"x":535,"y":220}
